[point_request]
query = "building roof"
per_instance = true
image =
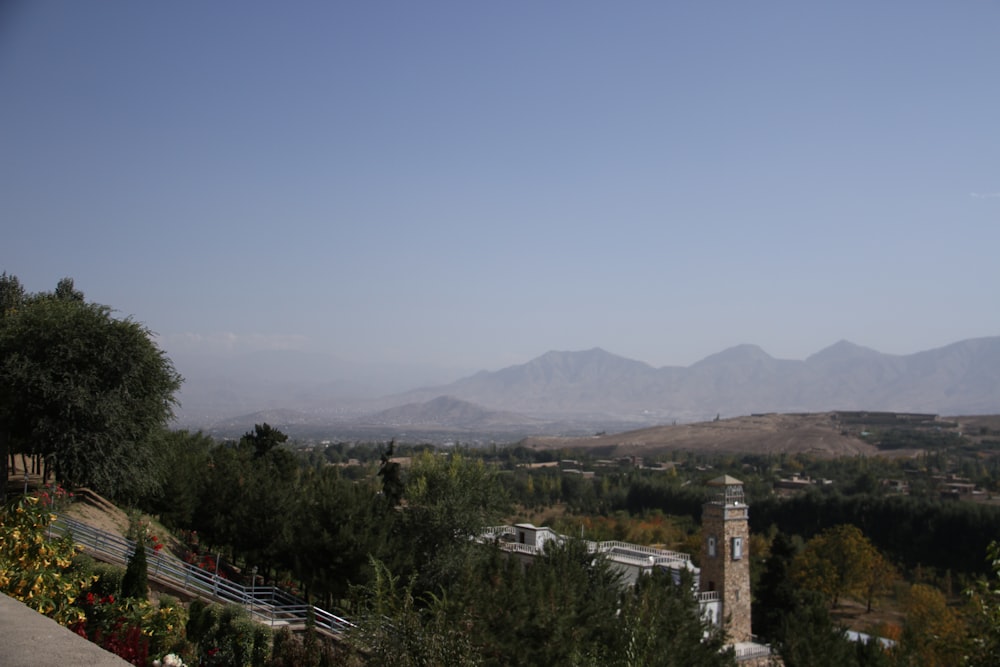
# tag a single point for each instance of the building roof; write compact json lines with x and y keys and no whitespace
{"x":725,"y":480}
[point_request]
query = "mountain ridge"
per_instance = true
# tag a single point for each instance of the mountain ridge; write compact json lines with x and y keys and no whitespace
{"x":959,"y":378}
{"x":596,"y":388}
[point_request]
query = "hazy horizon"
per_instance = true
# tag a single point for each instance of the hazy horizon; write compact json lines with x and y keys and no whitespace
{"x":463,"y":187}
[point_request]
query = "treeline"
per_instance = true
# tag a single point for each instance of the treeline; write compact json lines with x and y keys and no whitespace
{"x":915,"y":532}
{"x":405,"y":566}
{"x":293,"y":518}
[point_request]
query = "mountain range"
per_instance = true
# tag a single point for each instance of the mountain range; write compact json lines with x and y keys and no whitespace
{"x":560,"y":391}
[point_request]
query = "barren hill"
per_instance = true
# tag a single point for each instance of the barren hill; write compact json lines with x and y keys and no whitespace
{"x":814,"y":433}
{"x":445,"y":411}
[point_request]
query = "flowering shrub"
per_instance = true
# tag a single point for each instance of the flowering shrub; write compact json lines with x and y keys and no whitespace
{"x":140,"y":530}
{"x":55,"y":497}
{"x":132,"y":629}
{"x":35,"y":569}
{"x":205,"y":562}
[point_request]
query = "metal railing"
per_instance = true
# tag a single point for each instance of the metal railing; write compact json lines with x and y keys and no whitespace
{"x":266,"y":604}
{"x":754,"y":652}
{"x":664,"y":554}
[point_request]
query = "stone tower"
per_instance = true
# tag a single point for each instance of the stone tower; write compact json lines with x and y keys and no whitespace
{"x":725,"y":559}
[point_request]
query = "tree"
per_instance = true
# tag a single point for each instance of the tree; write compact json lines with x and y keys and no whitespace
{"x":399,"y":630}
{"x":11,"y":299}
{"x":135,"y":583}
{"x":65,"y":291}
{"x":262,"y":439}
{"x":933,"y":633}
{"x":182,"y":459}
{"x":84,"y":389}
{"x":878,"y":577}
{"x":661,"y":626}
{"x":841,"y":561}
{"x":248,"y":497}
{"x":449,"y":499}
{"x":392,"y":480}
{"x":809,"y":638}
{"x":985,"y":613}
{"x":776,"y":595}
{"x":336,"y":528}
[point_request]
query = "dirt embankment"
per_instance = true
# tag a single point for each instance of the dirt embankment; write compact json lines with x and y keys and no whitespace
{"x":94,"y":510}
{"x":818,"y":434}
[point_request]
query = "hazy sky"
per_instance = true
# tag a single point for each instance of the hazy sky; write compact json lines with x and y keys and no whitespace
{"x":472,"y":184}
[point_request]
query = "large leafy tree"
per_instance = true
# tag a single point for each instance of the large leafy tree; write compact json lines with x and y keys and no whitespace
{"x":183,"y":459}
{"x":842,"y":561}
{"x":83,"y":388}
{"x":985,"y":613}
{"x":449,"y":500}
{"x":934,"y":633}
{"x":11,"y":298}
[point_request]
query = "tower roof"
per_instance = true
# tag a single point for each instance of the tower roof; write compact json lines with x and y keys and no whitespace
{"x":725,"y":480}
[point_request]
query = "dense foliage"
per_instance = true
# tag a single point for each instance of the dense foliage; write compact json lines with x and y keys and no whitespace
{"x":945,"y":535}
{"x":566,"y":608}
{"x":34,"y":569}
{"x":81,"y":388}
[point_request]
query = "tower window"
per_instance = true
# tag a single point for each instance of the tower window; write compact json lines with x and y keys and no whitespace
{"x":711,"y":546}
{"x":737,"y":548}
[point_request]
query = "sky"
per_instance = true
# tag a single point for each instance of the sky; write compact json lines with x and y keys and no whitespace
{"x":468,"y":185}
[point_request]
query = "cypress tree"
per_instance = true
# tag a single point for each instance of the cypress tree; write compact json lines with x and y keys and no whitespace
{"x":135,"y":583}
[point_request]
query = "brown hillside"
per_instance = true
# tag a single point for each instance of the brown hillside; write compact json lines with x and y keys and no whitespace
{"x":814,"y":433}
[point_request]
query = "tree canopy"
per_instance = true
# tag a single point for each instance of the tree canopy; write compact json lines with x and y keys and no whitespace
{"x":81,"y":387}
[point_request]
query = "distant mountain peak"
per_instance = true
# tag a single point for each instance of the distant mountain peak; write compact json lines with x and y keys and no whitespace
{"x":738,"y":354}
{"x":592,"y":353}
{"x":595,"y":359}
{"x":842,"y":350}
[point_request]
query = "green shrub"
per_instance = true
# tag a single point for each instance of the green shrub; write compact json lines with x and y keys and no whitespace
{"x":109,"y":580}
{"x":83,"y":565}
{"x":201,"y":618}
{"x":226,"y":635}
